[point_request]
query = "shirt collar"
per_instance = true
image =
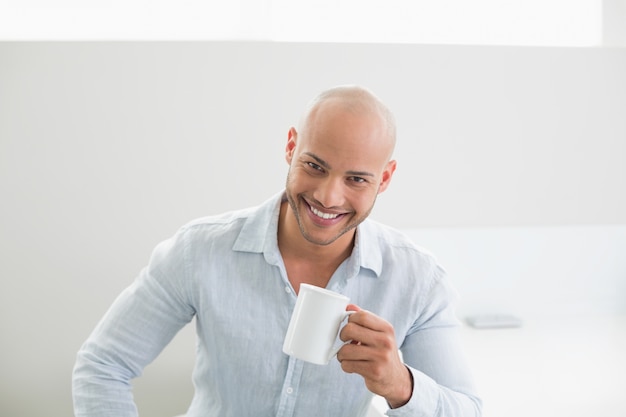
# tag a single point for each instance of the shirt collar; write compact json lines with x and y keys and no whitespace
{"x":259,"y":234}
{"x":368,"y":246}
{"x":260,"y":229}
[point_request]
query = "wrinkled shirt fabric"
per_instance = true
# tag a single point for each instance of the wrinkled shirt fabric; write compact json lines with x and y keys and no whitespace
{"x":226,"y":271}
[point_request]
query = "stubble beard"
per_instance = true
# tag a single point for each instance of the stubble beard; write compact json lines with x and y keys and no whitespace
{"x":295,"y":202}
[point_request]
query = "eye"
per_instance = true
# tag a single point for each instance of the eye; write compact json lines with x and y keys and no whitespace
{"x":315,"y":166}
{"x":358,"y":180}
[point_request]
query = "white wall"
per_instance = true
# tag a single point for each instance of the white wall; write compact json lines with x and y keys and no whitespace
{"x":107,"y":148}
{"x":533,"y":272}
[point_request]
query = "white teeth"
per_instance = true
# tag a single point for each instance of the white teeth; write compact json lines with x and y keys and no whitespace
{"x":323,"y":215}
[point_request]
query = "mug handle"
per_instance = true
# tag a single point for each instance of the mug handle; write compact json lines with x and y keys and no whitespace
{"x":334,"y":351}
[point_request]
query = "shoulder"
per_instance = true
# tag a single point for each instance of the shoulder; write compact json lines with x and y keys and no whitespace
{"x":233,"y":222}
{"x":219,"y":221}
{"x":216,"y":230}
{"x":393,"y":242}
{"x":411,"y":284}
{"x":397,"y":259}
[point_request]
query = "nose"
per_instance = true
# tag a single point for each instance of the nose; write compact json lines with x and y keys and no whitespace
{"x":330,"y":192}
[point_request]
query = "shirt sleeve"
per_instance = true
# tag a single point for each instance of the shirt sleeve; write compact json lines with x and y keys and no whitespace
{"x":135,"y":329}
{"x":433,"y":352}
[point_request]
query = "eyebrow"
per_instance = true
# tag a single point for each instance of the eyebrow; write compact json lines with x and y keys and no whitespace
{"x":326,"y":165}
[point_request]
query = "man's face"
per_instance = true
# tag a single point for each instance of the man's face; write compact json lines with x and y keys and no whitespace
{"x":339,"y":163}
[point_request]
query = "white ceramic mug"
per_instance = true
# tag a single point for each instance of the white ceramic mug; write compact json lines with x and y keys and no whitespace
{"x":315,"y":324}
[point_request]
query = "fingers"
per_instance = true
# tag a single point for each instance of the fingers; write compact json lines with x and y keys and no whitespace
{"x":381,"y":369}
{"x":371,"y":339}
{"x":373,"y":349}
{"x":368,"y":329}
{"x":373,"y":354}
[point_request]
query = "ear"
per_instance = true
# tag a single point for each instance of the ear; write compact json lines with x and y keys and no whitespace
{"x":386,"y":177}
{"x":291,"y":144}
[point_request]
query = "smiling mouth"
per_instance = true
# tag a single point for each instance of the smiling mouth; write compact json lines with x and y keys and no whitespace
{"x":322,"y":215}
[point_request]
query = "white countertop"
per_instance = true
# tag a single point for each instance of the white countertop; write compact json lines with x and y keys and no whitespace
{"x":551,"y":367}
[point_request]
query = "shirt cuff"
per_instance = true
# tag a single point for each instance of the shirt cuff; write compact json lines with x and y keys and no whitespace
{"x":424,"y":400}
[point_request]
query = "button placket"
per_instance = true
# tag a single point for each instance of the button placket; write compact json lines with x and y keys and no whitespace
{"x":287,"y":404}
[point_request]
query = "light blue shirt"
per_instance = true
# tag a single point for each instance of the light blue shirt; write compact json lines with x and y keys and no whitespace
{"x":227,"y":272}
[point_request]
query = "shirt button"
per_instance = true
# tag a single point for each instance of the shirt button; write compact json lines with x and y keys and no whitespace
{"x":289,"y":390}
{"x":287,"y":290}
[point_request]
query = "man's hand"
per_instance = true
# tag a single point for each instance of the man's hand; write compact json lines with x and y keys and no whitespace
{"x":373,"y":354}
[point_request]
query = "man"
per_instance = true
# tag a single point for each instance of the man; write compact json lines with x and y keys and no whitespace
{"x":238,"y":274}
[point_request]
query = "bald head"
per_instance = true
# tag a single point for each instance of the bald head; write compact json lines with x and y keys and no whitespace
{"x":339,"y":162}
{"x":357,"y":100}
